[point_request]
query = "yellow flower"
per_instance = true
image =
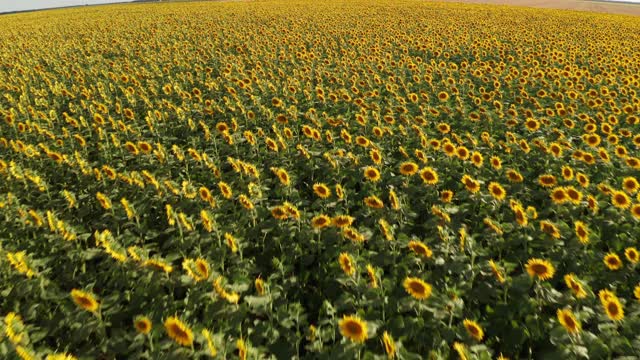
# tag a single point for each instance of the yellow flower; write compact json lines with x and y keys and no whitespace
{"x":575,"y":286}
{"x":373,"y":280}
{"x":343,"y":220}
{"x":322,"y":190}
{"x":105,"y":202}
{"x":613,"y":309}
{"x":474,"y":329}
{"x":210,"y":345}
{"x":142,"y":324}
{"x":540,"y":268}
{"x":372,"y":174}
{"x":429,"y":176}
{"x":408,"y":168}
{"x":373,"y":202}
{"x":620,"y":200}
{"x":320,"y":221}
{"x":612,"y":261}
{"x":346,"y":263}
{"x":389,"y":345}
{"x":568,"y":321}
{"x":472,"y":185}
{"x":231,"y":242}
{"x":353,"y":328}
{"x":497,"y":191}
{"x":417,"y":288}
{"x":84,"y":300}
{"x":631,"y":253}
{"x":259,"y":284}
{"x":420,"y":248}
{"x":497,"y":272}
{"x":178,"y":331}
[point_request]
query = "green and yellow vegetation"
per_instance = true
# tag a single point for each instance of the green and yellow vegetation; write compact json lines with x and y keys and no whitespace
{"x":319,"y":179}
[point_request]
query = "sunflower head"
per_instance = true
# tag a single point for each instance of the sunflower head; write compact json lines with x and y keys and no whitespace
{"x":612,"y":261}
{"x":142,"y":324}
{"x":84,"y":300}
{"x":417,"y":288}
{"x":353,"y":328}
{"x":568,"y":321}
{"x":473,"y":329}
{"x":539,"y":268}
{"x":178,"y":331}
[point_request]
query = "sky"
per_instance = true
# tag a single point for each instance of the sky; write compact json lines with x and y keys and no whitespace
{"x":16,"y":5}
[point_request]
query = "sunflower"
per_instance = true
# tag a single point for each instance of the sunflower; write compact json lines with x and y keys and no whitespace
{"x":372,"y":174}
{"x":320,"y":221}
{"x":417,"y":288}
{"x":105,"y":202}
{"x":373,"y":280}
{"x":550,"y":228}
{"x":205,"y":194}
{"x":582,"y":232}
{"x":259,"y":284}
{"x":559,"y":195}
{"x":420,"y":249}
{"x":449,"y":149}
{"x":279,"y":212}
{"x":283,"y":176}
{"x":582,"y":179}
{"x":576,"y":287}
{"x":631,"y":253}
{"x":613,"y":308}
{"x":477,"y":159}
{"x":242,"y":349}
{"x":408,"y":168}
{"x":375,"y":156}
{"x":497,"y":272}
{"x":353,"y":328}
{"x":636,"y":292}
{"x":429,"y":176}
{"x":496,"y":162}
{"x":605,"y":295}
{"x":472,"y":185}
{"x":547,"y":180}
{"x":473,"y":329}
{"x":225,"y":189}
{"x":443,"y":96}
{"x":620,"y":200}
{"x":497,"y":191}
{"x":635,"y":211}
{"x":373,"y":202}
{"x":321,"y":190}
{"x":142,"y":324}
{"x":630,"y":184}
{"x":568,"y":321}
{"x":352,"y":234}
{"x":446,"y":196}
{"x":461,"y":350}
{"x":178,"y":331}
{"x":84,"y":300}
{"x":514,"y":176}
{"x":521,"y":215}
{"x":575,"y":196}
{"x":346,"y":263}
{"x":612,"y":261}
{"x":540,"y":268}
{"x":462,"y":153}
{"x":567,"y":173}
{"x":342,"y":220}
{"x":389,"y":345}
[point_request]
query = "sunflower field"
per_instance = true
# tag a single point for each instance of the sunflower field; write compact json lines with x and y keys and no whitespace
{"x":319,"y":179}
